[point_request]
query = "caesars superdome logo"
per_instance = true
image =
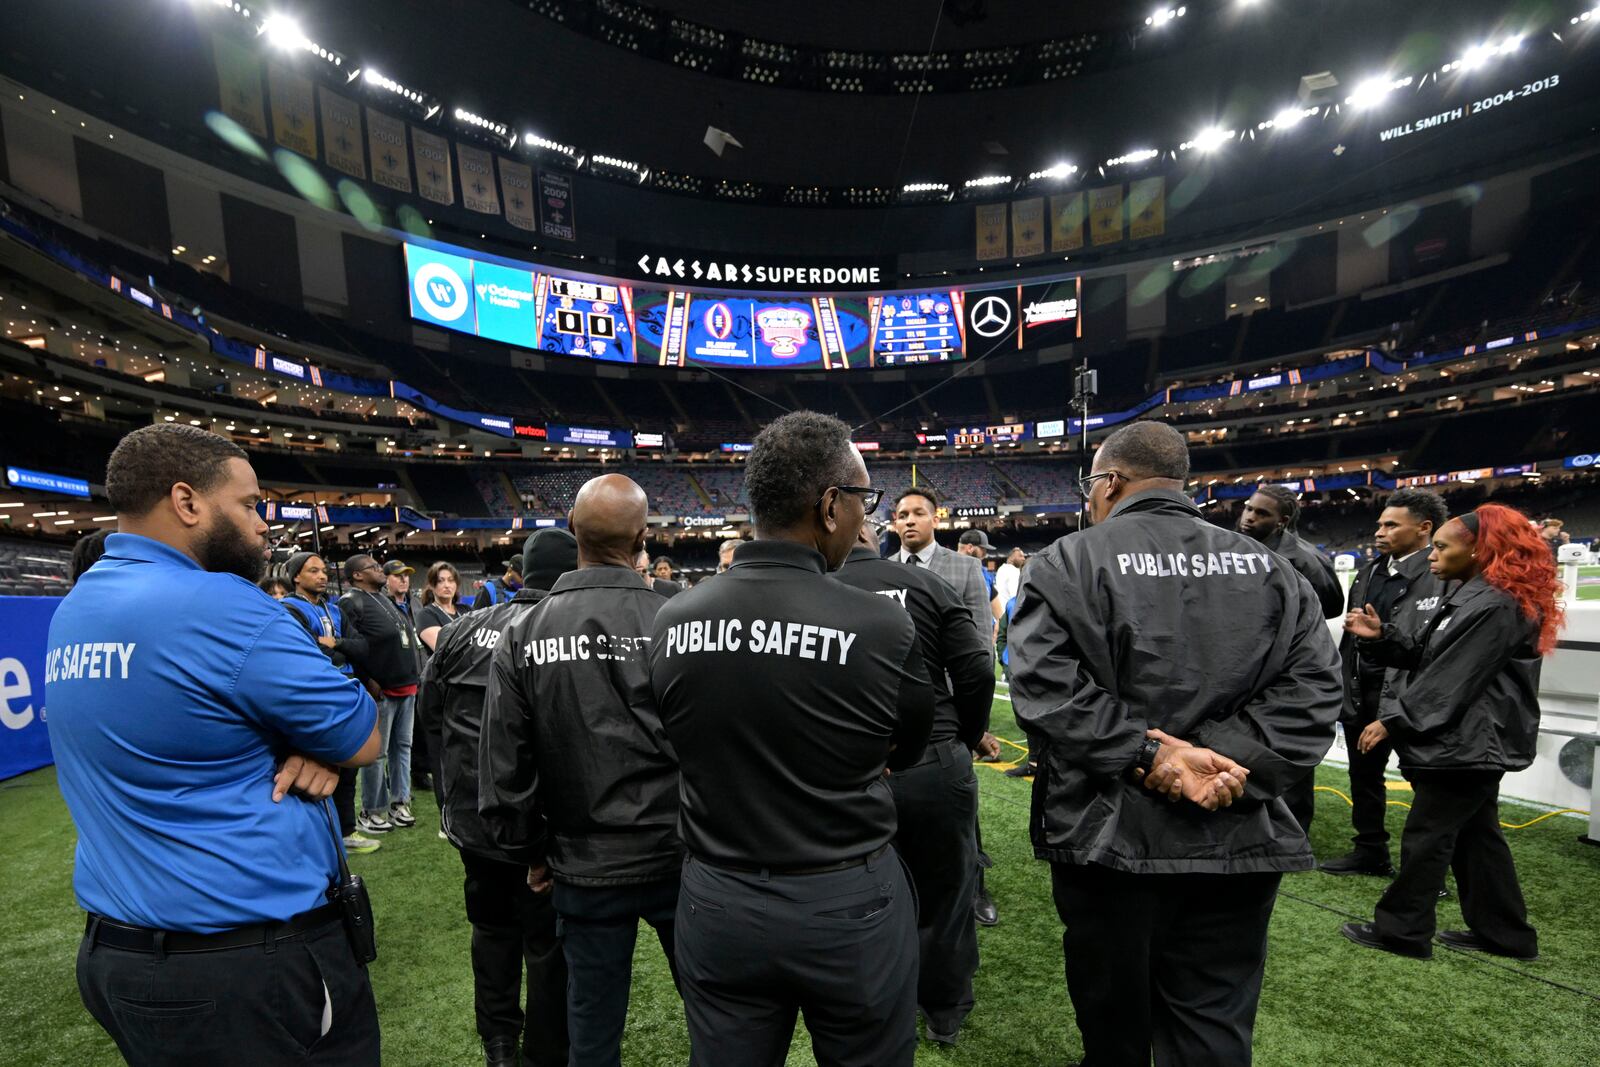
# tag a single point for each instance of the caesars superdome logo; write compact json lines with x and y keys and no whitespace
{"x":440,"y":291}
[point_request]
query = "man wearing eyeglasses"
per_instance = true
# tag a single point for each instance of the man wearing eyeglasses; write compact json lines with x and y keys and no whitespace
{"x":1174,"y":679}
{"x":785,"y":695}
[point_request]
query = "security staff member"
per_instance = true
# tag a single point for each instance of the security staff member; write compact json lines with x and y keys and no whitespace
{"x":784,"y":694}
{"x":1463,"y":709}
{"x":511,"y":924}
{"x":1401,"y":590}
{"x":1174,"y":678}
{"x":192,"y":756}
{"x":936,"y":801}
{"x":572,"y":742}
{"x":1270,"y":516}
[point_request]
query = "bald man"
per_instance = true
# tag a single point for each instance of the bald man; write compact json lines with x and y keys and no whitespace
{"x":575,"y":762}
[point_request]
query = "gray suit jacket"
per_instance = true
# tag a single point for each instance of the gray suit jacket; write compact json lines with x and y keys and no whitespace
{"x":966,"y":574}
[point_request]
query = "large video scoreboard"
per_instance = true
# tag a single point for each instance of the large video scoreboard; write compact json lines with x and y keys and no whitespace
{"x":545,"y":311}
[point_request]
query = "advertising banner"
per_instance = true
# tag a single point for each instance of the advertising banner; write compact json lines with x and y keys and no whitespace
{"x":24,"y":739}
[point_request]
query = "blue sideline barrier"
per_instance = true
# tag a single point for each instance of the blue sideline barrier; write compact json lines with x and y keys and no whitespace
{"x":24,"y":738}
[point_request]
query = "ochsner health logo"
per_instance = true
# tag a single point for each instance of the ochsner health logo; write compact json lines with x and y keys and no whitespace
{"x":440,"y":291}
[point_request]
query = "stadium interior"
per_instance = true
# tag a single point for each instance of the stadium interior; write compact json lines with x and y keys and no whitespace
{"x":1344,"y":247}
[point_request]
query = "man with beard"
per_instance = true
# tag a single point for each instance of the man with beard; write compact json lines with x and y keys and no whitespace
{"x":193,"y":756}
{"x":390,"y":665}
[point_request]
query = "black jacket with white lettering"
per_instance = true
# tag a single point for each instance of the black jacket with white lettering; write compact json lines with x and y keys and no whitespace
{"x":1317,"y":568}
{"x":783,"y":692}
{"x":958,"y":660}
{"x":572,"y":738}
{"x":1465,"y":694}
{"x":1419,"y":597}
{"x":450,"y":703}
{"x":1157,"y":619}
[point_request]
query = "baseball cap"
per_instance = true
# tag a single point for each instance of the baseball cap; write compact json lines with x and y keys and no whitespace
{"x":394,"y":566}
{"x":979,"y":538}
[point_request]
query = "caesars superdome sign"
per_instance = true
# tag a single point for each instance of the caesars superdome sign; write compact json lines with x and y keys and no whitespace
{"x":673,"y":268}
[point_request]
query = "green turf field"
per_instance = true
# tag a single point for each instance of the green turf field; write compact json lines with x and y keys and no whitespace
{"x":1325,"y":1001}
{"x":1591,"y":590}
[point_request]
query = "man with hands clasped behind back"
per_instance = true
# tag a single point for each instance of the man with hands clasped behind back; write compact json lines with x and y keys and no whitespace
{"x":1174,"y":679}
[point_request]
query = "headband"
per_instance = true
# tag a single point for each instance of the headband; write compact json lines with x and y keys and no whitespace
{"x":1470,"y":521}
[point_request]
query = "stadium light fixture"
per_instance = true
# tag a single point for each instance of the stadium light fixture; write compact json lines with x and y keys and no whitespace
{"x":986,"y":181}
{"x":1372,"y":91}
{"x":283,"y":31}
{"x":1059,"y":172}
{"x":467,"y":118}
{"x":1480,"y":55}
{"x":1592,"y":15}
{"x":535,"y":141}
{"x":1138,"y":155}
{"x":371,"y":76}
{"x":1208,"y":140}
{"x":1288,"y":117}
{"x":1166,"y":15}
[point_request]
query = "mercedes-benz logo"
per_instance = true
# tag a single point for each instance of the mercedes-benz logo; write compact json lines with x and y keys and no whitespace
{"x":990,"y":316}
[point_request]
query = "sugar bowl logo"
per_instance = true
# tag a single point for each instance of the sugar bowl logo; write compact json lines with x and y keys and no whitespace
{"x":783,"y":329}
{"x":719,"y":321}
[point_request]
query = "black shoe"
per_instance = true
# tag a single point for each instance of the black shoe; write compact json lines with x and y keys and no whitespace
{"x":1022,"y":770}
{"x":422,"y":782}
{"x":942,"y":1037}
{"x":500,"y":1052}
{"x":983,"y":909}
{"x":1366,"y":935}
{"x":1467,"y":941}
{"x":1359,"y":863}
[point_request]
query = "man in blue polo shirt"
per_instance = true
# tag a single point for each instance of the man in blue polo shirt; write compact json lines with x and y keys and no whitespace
{"x":193,"y":756}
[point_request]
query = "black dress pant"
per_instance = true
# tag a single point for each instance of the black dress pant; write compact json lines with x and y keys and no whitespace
{"x":1164,"y":963}
{"x":598,"y":926}
{"x":513,"y":926}
{"x":756,"y":949}
{"x":937,"y":805}
{"x":1369,"y":791}
{"x":250,"y":1005}
{"x":1454,"y":824}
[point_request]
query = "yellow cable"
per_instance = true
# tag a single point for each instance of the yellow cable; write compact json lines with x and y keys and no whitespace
{"x":1505,"y":825}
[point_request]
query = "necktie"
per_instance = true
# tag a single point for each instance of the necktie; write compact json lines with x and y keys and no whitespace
{"x":913,"y":561}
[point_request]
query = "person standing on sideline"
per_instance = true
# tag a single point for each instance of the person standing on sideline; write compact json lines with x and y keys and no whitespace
{"x":1174,"y":679}
{"x":915,"y":517}
{"x":936,"y":801}
{"x":1462,"y":709}
{"x":511,"y":924}
{"x":1270,"y":516}
{"x":309,"y":604}
{"x":785,"y":694}
{"x":390,"y":669}
{"x":499,"y":590}
{"x":1009,"y":577}
{"x":572,"y":743}
{"x":441,"y":604}
{"x":193,"y":757}
{"x":1402,"y":590}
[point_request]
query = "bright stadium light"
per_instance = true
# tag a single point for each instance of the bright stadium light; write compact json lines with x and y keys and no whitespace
{"x":1138,"y":155}
{"x":986,"y":181}
{"x":1480,"y":55}
{"x":282,"y":31}
{"x":1166,"y":15}
{"x":535,"y":141}
{"x":1055,"y":173}
{"x":1208,"y":140}
{"x":1372,"y":91}
{"x":1289,"y":116}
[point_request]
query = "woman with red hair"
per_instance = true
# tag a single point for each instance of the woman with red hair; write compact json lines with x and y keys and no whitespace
{"x":1463,"y":709}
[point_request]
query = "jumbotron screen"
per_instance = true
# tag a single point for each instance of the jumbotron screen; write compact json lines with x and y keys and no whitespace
{"x":532,"y":308}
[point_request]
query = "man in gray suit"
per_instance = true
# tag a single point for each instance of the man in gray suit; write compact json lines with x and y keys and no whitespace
{"x":915,"y":517}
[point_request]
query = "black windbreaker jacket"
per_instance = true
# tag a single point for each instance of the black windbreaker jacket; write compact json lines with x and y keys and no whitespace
{"x":450,"y":704}
{"x":1317,"y":568}
{"x":1157,"y":618}
{"x":1419,"y":599}
{"x":959,"y":661}
{"x":1465,"y":695}
{"x":572,"y":738}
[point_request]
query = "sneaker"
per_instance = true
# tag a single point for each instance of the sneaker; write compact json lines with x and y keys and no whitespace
{"x":400,"y":814}
{"x":1359,"y":863}
{"x":358,"y":844}
{"x":373,"y":822}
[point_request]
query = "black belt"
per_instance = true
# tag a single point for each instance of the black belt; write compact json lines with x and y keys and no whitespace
{"x":827,"y":868}
{"x":103,"y":931}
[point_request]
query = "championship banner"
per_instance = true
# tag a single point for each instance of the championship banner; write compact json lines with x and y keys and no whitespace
{"x":477,"y":180}
{"x":556,"y":217}
{"x":991,"y":231}
{"x":24,"y":626}
{"x":1066,"y":222}
{"x":341,"y":134}
{"x":386,"y":147}
{"x":294,"y":119}
{"x":516,"y":187}
{"x":1027,"y":227}
{"x":1147,"y":208}
{"x":432,"y":156}
{"x":1105,"y":214}
{"x":239,"y":84}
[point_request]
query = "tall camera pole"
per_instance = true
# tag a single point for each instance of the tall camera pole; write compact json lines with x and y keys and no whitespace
{"x":1085,"y":386}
